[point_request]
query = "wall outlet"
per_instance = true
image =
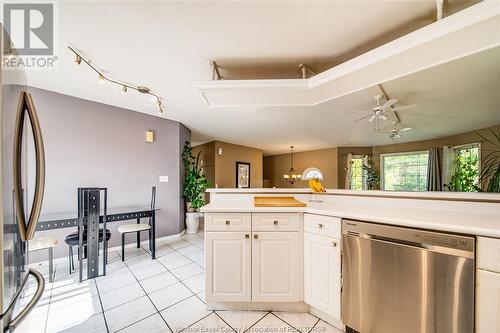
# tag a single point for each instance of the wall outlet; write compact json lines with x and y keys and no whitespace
{"x":163,"y":179}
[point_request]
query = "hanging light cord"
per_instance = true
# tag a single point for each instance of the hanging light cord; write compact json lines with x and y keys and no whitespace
{"x":102,"y":76}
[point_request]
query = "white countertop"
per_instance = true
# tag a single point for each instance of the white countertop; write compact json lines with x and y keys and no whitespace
{"x":462,"y":196}
{"x":473,"y":218}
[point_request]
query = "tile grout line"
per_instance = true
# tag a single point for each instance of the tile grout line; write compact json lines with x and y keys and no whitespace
{"x":264,"y":316}
{"x":102,"y":307}
{"x":315,"y":324}
{"x":283,"y":320}
{"x":194,"y":294}
{"x":231,"y":327}
{"x":50,"y":301}
{"x":149,"y":298}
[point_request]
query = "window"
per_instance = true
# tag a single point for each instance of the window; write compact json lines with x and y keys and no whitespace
{"x":357,"y":178}
{"x":311,"y":173}
{"x":462,"y":167}
{"x":405,"y":171}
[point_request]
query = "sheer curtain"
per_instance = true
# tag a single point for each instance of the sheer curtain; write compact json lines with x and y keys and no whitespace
{"x":433,"y":171}
{"x":448,"y":156}
{"x":348,"y":173}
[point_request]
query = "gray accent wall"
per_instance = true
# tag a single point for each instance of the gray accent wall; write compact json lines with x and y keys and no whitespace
{"x":89,"y":144}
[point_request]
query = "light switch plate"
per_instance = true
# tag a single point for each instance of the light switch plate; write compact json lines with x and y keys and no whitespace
{"x":163,"y":179}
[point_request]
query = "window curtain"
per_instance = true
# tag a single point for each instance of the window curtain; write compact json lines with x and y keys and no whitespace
{"x":448,"y":157}
{"x":348,"y":173}
{"x":433,"y":171}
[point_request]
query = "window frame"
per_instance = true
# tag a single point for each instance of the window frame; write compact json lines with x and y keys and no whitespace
{"x":363,"y":173}
{"x":382,"y":171}
{"x":468,"y":145}
{"x":306,"y":171}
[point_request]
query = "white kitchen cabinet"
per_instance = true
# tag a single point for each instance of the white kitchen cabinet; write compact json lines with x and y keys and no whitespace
{"x":277,"y":267}
{"x":322,"y":286}
{"x":487,"y":302}
{"x":228,"y":266}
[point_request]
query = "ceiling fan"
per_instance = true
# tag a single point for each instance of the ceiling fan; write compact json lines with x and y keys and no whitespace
{"x":383,"y":108}
{"x":397,"y":131}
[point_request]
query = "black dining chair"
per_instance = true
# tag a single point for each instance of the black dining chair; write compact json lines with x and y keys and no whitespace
{"x":73,"y":238}
{"x":139,"y":227}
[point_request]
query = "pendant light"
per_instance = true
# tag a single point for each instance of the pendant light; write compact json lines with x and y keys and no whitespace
{"x":291,"y":176}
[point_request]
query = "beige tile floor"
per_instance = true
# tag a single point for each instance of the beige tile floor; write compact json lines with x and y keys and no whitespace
{"x":144,"y":295}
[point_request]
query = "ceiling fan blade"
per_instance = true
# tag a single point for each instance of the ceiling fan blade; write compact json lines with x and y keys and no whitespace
{"x":405,"y":107}
{"x":363,"y":117}
{"x":383,"y":116}
{"x":372,"y":118}
{"x":359,"y":111}
{"x":406,"y":129}
{"x":389,"y":103}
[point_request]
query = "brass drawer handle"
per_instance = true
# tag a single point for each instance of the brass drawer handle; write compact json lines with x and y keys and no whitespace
{"x":255,"y":236}
{"x":320,"y":225}
{"x":334,"y":244}
{"x":228,"y":222}
{"x":275,"y":222}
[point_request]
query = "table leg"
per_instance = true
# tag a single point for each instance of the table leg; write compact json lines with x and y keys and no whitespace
{"x":51,"y":265}
{"x":153,"y":241}
{"x":138,"y":235}
{"x":93,"y":233}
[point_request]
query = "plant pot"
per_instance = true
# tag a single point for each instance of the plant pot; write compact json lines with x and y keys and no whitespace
{"x":192,"y":223}
{"x":189,"y":208}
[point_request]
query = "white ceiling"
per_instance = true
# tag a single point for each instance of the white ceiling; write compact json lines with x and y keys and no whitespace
{"x":168,"y":45}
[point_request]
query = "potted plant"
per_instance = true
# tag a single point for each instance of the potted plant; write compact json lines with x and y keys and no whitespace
{"x":195,"y":185}
{"x":490,"y":163}
{"x":465,"y":175}
{"x":372,"y":177}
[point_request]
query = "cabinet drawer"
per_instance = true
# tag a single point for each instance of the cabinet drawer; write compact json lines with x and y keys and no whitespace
{"x":228,"y":222}
{"x":322,"y":225}
{"x":488,"y":254}
{"x":276,"y":221}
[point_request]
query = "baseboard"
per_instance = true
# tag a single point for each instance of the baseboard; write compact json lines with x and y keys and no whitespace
{"x":325,"y":317}
{"x":114,"y":248}
{"x":258,"y":306}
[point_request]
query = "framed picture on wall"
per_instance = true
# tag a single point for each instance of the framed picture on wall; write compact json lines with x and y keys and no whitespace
{"x":242,"y":175}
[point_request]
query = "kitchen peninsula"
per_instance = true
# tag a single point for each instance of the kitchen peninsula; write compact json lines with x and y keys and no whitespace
{"x":291,"y":258}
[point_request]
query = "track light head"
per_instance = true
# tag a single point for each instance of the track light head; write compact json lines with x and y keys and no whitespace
{"x":78,"y":60}
{"x":160,"y":106}
{"x":101,"y":79}
{"x":143,"y":89}
{"x":124,"y":90}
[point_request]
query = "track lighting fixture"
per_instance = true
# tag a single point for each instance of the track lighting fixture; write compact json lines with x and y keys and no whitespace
{"x":125,"y":86}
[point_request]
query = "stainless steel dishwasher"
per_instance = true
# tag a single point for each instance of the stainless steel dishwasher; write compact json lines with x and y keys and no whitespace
{"x":402,"y":280}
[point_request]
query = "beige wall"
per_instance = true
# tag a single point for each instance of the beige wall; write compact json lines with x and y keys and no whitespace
{"x":332,"y":161}
{"x":455,"y":140}
{"x":225,"y":164}
{"x":325,"y":160}
{"x":221,"y":169}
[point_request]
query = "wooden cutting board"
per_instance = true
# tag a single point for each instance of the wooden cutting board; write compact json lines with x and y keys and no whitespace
{"x":277,"y":202}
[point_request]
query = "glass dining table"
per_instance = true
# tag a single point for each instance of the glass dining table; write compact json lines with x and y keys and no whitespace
{"x":50,"y":221}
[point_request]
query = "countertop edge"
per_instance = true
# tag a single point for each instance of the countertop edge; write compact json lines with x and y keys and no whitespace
{"x":412,"y":223}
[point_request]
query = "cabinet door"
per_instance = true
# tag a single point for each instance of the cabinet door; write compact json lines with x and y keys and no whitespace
{"x":228,"y":264}
{"x":277,"y":267}
{"x":488,"y":302}
{"x":322,"y":273}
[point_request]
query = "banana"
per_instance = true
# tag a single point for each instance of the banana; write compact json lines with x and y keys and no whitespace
{"x":315,"y":185}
